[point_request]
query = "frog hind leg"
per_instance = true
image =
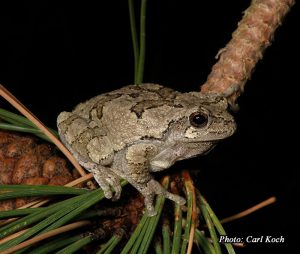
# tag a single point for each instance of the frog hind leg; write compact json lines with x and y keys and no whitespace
{"x":152,"y":188}
{"x":137,"y":174}
{"x":92,"y":150}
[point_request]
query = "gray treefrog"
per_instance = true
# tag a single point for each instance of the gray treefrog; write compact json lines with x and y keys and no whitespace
{"x":138,"y":129}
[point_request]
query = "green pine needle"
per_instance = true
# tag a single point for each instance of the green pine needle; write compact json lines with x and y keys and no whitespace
{"x":141,"y":238}
{"x":135,"y":43}
{"x":177,"y":230}
{"x":203,"y":243}
{"x":211,"y":229}
{"x":166,"y":238}
{"x":19,"y":123}
{"x":139,"y":49}
{"x":50,"y":218}
{"x":134,"y":235}
{"x":188,"y":221}
{"x":18,"y":212}
{"x":158,"y":247}
{"x":141,"y":63}
{"x":108,"y":247}
{"x":153,"y":221}
{"x":56,"y":244}
{"x":17,"y":191}
{"x":15,"y":118}
{"x":215,"y":221}
{"x":72,"y":248}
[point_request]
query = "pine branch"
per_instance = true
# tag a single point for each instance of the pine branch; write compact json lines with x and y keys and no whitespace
{"x":239,"y":57}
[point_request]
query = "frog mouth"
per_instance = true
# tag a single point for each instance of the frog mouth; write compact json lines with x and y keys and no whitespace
{"x":213,"y":144}
{"x":212,"y":140}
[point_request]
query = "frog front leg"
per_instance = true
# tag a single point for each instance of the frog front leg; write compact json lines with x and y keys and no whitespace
{"x":137,"y":174}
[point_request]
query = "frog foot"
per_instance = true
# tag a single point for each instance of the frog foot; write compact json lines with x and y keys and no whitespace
{"x":108,"y":182}
{"x":154,"y":188}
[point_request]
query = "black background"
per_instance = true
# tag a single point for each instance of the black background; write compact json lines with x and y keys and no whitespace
{"x":54,"y":54}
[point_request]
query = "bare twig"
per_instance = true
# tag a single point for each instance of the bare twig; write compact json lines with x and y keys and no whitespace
{"x":238,"y":59}
{"x":267,"y":202}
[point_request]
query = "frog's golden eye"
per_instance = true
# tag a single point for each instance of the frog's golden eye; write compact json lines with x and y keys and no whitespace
{"x":198,"y":119}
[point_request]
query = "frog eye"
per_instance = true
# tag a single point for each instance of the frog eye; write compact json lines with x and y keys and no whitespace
{"x":198,"y":119}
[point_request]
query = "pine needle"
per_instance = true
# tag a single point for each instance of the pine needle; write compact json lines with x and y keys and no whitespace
{"x":49,"y":234}
{"x":188,"y":238}
{"x":26,"y":112}
{"x":250,"y":210}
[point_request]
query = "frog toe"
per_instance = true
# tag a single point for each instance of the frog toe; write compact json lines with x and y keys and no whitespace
{"x":149,"y":199}
{"x":118,"y":190}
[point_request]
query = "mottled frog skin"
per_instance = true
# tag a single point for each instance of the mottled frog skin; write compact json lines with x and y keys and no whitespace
{"x":133,"y":131}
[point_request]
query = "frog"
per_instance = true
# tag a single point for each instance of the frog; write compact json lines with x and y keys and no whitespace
{"x":134,"y":131}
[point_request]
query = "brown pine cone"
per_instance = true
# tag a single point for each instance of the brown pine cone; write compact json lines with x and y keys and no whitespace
{"x":26,"y":160}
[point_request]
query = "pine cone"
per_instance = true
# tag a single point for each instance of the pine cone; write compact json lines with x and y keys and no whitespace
{"x":26,"y":160}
